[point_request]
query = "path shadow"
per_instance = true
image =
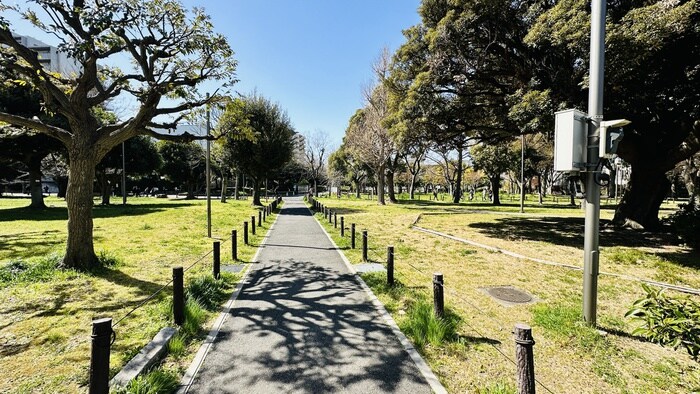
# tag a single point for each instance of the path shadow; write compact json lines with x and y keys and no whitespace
{"x":320,"y":334}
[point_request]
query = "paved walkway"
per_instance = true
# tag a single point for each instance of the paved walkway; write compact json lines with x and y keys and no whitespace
{"x":303,"y":324}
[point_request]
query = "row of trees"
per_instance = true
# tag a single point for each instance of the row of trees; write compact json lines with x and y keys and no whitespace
{"x":475,"y":75}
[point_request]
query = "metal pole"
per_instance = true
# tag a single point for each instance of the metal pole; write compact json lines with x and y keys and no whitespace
{"x":208,"y":171}
{"x":595,"y":111}
{"x":123,"y":174}
{"x":522,"y":173}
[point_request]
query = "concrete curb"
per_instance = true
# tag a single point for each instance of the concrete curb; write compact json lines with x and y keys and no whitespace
{"x":191,"y":373}
{"x":149,"y":355}
{"x":422,"y":366}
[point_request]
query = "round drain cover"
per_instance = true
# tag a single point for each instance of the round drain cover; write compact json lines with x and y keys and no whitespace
{"x":509,"y":294}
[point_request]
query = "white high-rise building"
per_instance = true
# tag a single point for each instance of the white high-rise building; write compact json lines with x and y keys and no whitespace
{"x":50,"y":57}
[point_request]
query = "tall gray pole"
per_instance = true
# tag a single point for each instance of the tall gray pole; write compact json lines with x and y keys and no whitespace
{"x":208,"y":175}
{"x":595,"y":111}
{"x":522,"y":173}
{"x":123,"y":174}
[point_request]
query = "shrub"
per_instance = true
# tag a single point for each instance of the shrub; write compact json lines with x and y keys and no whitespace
{"x":35,"y":270}
{"x":207,"y":291}
{"x":177,"y":345}
{"x":157,"y":381}
{"x":672,"y":321}
{"x":195,"y":316}
{"x":686,"y":224}
{"x":424,"y":327}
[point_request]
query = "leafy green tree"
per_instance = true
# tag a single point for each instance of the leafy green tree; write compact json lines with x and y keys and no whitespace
{"x":142,"y":158}
{"x":651,"y":78}
{"x":25,"y":147}
{"x":173,"y":51}
{"x":184,"y":163}
{"x":343,"y":163}
{"x":270,"y":148}
{"x":494,"y":160}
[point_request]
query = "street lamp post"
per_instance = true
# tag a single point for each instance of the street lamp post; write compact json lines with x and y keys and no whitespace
{"x":208,"y":173}
{"x":595,"y":111}
{"x":522,"y":173}
{"x":123,"y":174}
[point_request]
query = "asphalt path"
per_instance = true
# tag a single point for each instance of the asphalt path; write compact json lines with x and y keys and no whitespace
{"x":303,"y":324}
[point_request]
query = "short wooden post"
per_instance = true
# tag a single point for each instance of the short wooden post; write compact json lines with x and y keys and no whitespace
{"x":245,"y":233}
{"x":178,"y":296}
{"x":352,"y":236}
{"x":252,"y":224}
{"x":524,"y":358}
{"x":260,"y":218}
{"x":390,"y":265}
{"x":335,"y":219}
{"x":438,"y":294}
{"x":342,"y":226}
{"x":264,"y":213}
{"x":364,"y":245}
{"x":234,"y":245}
{"x":216,"y":266}
{"x":330,"y":216}
{"x":99,"y":356}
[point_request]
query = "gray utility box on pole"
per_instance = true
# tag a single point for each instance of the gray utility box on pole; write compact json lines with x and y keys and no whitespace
{"x":570,"y":133}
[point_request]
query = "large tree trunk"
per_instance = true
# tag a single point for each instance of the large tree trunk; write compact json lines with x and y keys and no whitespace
{"x":457,"y":192}
{"x":357,"y":190}
{"x":380,"y":185}
{"x":190,"y":190}
{"x":611,"y":184}
{"x":35,"y":186}
{"x":496,"y":189}
{"x":390,"y":187}
{"x":256,"y":193}
{"x":639,"y":207}
{"x":80,"y":252}
{"x":104,"y":188}
{"x":572,"y":191}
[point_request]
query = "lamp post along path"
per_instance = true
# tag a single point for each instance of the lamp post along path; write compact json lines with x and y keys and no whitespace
{"x":208,"y":171}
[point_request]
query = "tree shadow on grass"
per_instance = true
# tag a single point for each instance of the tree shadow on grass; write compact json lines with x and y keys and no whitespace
{"x":61,"y":213}
{"x":22,"y":245}
{"x":567,"y":231}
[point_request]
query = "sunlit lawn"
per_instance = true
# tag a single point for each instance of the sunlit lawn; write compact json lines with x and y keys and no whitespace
{"x":45,"y":316}
{"x":570,"y":357}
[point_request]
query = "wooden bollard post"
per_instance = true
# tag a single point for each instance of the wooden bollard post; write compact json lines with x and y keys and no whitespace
{"x":264,"y":213}
{"x":390,"y":265}
{"x":260,"y":218}
{"x":335,"y":219}
{"x":216,"y":266}
{"x":234,"y":245}
{"x":364,"y":246}
{"x":252,"y":224}
{"x":330,"y":216}
{"x":524,"y":358}
{"x":178,"y":296}
{"x":245,"y":233}
{"x":342,"y":226}
{"x":438,"y":294}
{"x":352,"y":236}
{"x":99,"y":356}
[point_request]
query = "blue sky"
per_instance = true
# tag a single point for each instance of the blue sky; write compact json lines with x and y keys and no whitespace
{"x":310,"y":56}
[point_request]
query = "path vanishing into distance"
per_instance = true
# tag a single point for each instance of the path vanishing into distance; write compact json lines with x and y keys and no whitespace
{"x":303,"y":323}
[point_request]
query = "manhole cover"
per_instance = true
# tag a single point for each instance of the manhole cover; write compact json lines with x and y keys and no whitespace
{"x":233,"y":268}
{"x":509,"y":294}
{"x":369,"y":267}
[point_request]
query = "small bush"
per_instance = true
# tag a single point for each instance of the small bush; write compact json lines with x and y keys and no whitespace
{"x":195,"y":316}
{"x":107,"y":259}
{"x":209,"y":292}
{"x":671,"y":321}
{"x":498,"y":388}
{"x":425,"y":328}
{"x":686,"y":224}
{"x":177,"y":346}
{"x":157,"y":381}
{"x":35,"y":270}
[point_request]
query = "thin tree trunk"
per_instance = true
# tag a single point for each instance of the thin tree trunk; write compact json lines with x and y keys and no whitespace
{"x":223,"y":187}
{"x":80,"y":251}
{"x":357,"y":190}
{"x":190,"y":190}
{"x":496,"y":189}
{"x":35,"y":186}
{"x":380,"y":185}
{"x":539,"y":188}
{"x":390,"y":187}
{"x":457,"y":192}
{"x":104,"y":187}
{"x":256,"y":193}
{"x":315,"y":188}
{"x":572,"y":191}
{"x":235,"y":188}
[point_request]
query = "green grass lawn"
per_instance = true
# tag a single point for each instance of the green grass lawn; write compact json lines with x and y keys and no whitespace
{"x":569,"y":356}
{"x":45,"y":313}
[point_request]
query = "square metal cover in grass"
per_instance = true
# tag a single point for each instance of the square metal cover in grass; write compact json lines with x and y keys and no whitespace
{"x":509,"y":295}
{"x":369,"y":267}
